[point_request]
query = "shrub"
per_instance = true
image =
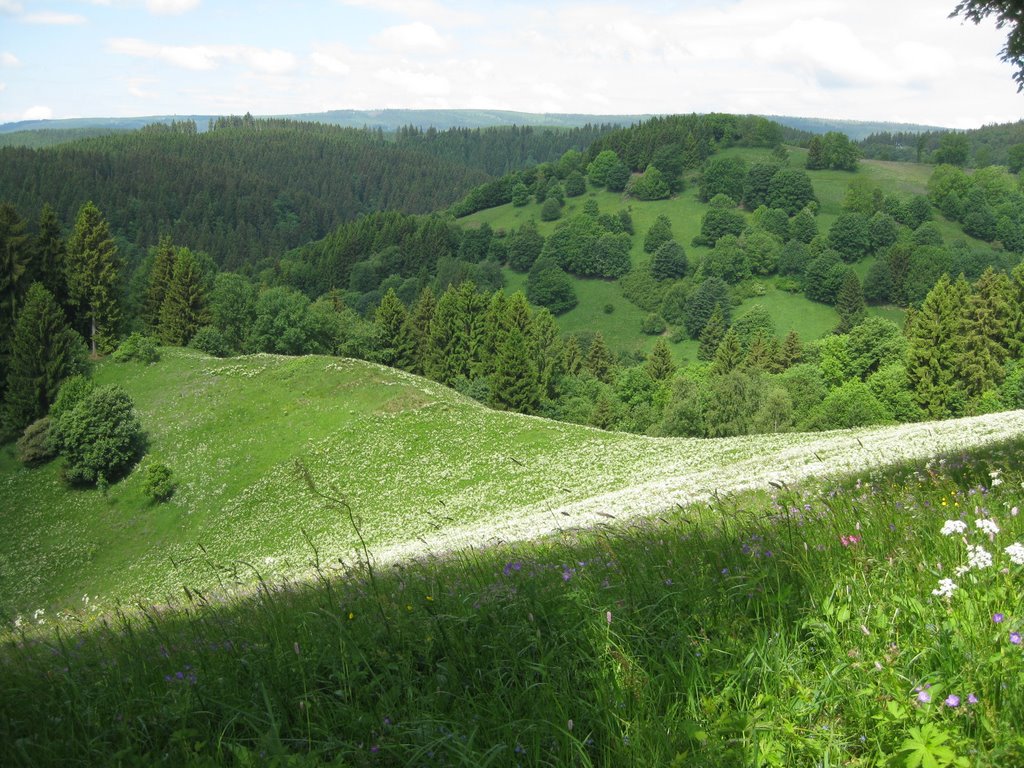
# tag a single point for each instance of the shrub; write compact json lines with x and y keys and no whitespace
{"x":210,"y":340}
{"x":139,"y":348}
{"x":100,"y":436}
{"x":653,"y":325}
{"x":36,"y":446}
{"x":72,"y":391}
{"x":158,"y":482}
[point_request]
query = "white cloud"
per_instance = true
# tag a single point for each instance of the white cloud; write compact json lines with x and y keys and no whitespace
{"x":136,"y":87}
{"x":8,"y":59}
{"x":9,"y":6}
{"x":416,"y":83}
{"x":435,"y":12}
{"x":49,"y":17}
{"x":206,"y":57}
{"x":416,"y":36}
{"x":3,"y":87}
{"x":330,"y":62}
{"x":37,"y":112}
{"x":170,"y":7}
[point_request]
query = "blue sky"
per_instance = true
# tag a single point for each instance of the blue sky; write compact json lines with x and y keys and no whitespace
{"x":900,"y":60}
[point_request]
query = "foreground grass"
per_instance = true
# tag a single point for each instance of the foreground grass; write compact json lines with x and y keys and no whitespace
{"x":792,"y":629}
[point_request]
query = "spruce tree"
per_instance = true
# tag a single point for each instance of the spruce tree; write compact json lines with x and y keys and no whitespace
{"x":420,"y":321}
{"x":762,"y":353}
{"x":712,"y":335}
{"x":50,"y":253}
{"x":515,"y":385}
{"x":791,"y":351}
{"x":184,"y":310}
{"x":1015,"y":322}
{"x":572,"y":356}
{"x":391,"y":321}
{"x":729,"y":355}
{"x":545,"y":340}
{"x":92,"y":276}
{"x":987,"y":320}
{"x":525,"y":246}
{"x":160,"y":276}
{"x":14,"y":273}
{"x":659,"y":233}
{"x":669,"y":262}
{"x":849,"y":302}
{"x":933,"y":351}
{"x":45,"y":351}
{"x":599,"y":359}
{"x":659,"y":364}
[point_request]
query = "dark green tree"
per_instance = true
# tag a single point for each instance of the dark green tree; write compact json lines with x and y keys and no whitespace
{"x":850,"y":236}
{"x":791,"y":352}
{"x":670,"y":262}
{"x":757,"y":185}
{"x":729,"y":355}
{"x":551,"y":210}
{"x":934,"y":351}
{"x":802,"y":227}
{"x":421,"y":318}
{"x":392,"y":321}
{"x":650,"y":185}
{"x":659,"y":233}
{"x":723,"y":175}
{"x":549,"y":286}
{"x":92,"y":276}
{"x":600,"y":167}
{"x":525,"y":246}
{"x":520,"y":195}
{"x":712,"y":335}
{"x":100,"y":437}
{"x":575,"y":184}
{"x":618,"y":177}
{"x":599,"y":359}
{"x":790,"y":190}
{"x":717,"y":223}
{"x":987,"y":323}
{"x":516,"y":385}
{"x":50,"y":253}
{"x":44,"y":352}
{"x":184,"y":310}
{"x":702,"y":302}
{"x":15,"y":258}
{"x":232,"y":307}
{"x":659,"y":364}
{"x":815,"y":154}
{"x":161,"y":273}
{"x":823,"y":277}
{"x":953,"y":149}
{"x":849,"y":302}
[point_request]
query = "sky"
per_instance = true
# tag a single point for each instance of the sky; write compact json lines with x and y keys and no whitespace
{"x":889,"y":60}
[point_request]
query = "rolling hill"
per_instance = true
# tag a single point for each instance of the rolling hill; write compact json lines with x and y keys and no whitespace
{"x":422,"y":469}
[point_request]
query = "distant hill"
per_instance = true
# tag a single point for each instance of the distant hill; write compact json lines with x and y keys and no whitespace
{"x":855,"y":129}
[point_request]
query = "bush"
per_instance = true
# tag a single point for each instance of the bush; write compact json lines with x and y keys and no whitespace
{"x":72,"y":391}
{"x":36,"y":446}
{"x":210,"y":340}
{"x":551,"y":210}
{"x":653,"y":325}
{"x":138,"y":348}
{"x":158,"y":482}
{"x":100,"y":436}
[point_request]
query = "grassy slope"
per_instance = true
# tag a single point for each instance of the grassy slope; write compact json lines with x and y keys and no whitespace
{"x":621,"y":328}
{"x":418,"y":464}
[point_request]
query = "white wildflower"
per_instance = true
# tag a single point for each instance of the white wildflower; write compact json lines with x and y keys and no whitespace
{"x":1016,"y":553}
{"x":945,"y":589}
{"x":954,"y":526}
{"x":960,"y":570}
{"x":987,"y":526}
{"x":996,"y":480}
{"x":978,"y":557}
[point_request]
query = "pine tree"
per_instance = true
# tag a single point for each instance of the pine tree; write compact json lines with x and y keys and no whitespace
{"x":456,"y":335}
{"x":391,"y":321}
{"x":92,"y":276}
{"x":659,"y":365}
{"x":515,"y":385}
{"x":599,"y":359}
{"x":761,"y":353}
{"x":815,"y":154}
{"x":545,"y":340}
{"x":44,"y":352}
{"x":1015,"y":322}
{"x":933,"y":352}
{"x":660,"y":232}
{"x":495,"y":330}
{"x":849,"y":303}
{"x":184,"y":310}
{"x":791,"y":352}
{"x":729,"y":355}
{"x":712,"y":335}
{"x":572,"y":356}
{"x":987,"y":321}
{"x":50,"y":254}
{"x":160,"y":276}
{"x":669,"y":261}
{"x":14,"y":267}
{"x":421,"y":319}
{"x":603,"y":414}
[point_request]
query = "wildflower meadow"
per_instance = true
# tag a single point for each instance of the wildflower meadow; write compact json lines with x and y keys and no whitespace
{"x":865,"y":619}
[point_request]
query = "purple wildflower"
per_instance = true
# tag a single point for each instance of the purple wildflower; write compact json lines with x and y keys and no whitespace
{"x":972,"y":699}
{"x":1015,"y":638}
{"x":952,"y":700}
{"x":997,"y":618}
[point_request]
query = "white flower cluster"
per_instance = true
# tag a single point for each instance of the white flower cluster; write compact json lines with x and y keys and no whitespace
{"x":978,"y":557}
{"x":954,"y":526}
{"x":987,"y":526}
{"x":945,"y":589}
{"x":1016,"y":553}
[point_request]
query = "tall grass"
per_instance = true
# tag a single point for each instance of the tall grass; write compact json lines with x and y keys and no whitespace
{"x":797,"y":628}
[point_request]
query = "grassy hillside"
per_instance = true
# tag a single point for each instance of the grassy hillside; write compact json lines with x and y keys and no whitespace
{"x":421,"y":468}
{"x":621,"y":327}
